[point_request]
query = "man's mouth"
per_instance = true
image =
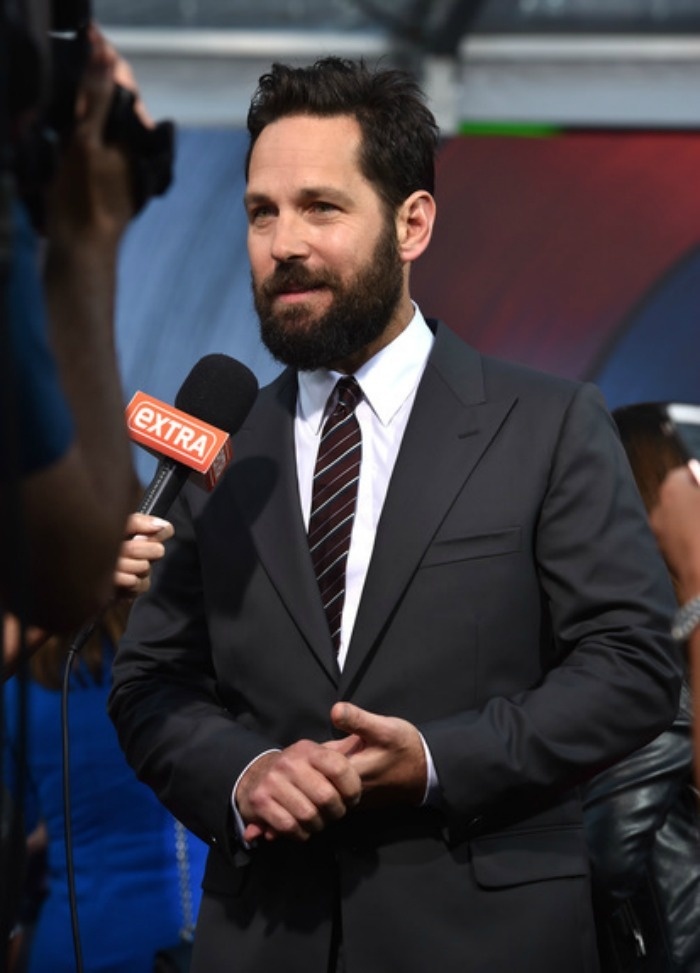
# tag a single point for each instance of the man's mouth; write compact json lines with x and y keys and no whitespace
{"x":297,"y":288}
{"x":292,"y":292}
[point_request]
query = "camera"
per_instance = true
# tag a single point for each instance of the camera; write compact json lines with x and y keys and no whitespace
{"x":48,"y":47}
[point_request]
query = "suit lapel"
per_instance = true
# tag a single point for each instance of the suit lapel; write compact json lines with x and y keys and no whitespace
{"x":450,"y":427}
{"x":268,"y":495}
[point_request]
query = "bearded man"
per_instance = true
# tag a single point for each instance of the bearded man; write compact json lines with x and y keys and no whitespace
{"x":422,"y":605}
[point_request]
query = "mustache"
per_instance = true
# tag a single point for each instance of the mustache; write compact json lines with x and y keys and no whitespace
{"x":297,"y":277}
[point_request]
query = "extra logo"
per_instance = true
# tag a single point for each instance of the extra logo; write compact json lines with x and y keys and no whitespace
{"x":166,"y":431}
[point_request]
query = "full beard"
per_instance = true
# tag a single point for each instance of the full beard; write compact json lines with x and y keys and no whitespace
{"x":358,"y":315}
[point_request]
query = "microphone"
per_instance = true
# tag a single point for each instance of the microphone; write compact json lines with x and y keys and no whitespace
{"x":192,"y":440}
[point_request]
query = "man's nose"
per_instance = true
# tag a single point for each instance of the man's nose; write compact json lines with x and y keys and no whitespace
{"x":289,"y":239}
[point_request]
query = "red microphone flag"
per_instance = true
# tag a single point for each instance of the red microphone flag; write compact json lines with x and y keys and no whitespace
{"x":166,"y":431}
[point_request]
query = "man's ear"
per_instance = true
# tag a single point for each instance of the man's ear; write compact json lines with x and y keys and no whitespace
{"x":414,"y":224}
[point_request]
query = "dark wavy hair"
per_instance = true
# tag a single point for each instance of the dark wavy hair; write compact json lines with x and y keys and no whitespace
{"x":399,"y":132}
{"x":651,"y":451}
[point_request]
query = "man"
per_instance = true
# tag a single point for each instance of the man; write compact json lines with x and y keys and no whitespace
{"x":394,"y":791}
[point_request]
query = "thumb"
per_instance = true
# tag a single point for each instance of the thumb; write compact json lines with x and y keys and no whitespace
{"x":352,"y":719}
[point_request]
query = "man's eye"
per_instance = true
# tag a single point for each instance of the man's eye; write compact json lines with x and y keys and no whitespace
{"x":259,"y":213}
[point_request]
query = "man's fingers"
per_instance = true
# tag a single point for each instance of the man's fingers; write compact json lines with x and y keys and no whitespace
{"x":283,"y":810}
{"x":252,"y":833}
{"x":330,"y":782}
{"x":348,"y":746}
{"x":333,"y":765}
{"x":297,"y":792}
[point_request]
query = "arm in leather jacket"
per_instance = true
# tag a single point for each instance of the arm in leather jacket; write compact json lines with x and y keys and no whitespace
{"x":643,"y":827}
{"x":627,"y":804}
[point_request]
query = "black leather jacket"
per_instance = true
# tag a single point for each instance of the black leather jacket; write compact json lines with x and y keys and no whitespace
{"x":643,"y":828}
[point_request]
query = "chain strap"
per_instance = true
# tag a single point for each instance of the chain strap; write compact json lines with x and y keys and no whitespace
{"x":686,"y":619}
{"x":183,"y":873}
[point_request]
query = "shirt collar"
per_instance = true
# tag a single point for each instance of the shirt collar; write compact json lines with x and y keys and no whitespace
{"x":386,"y":380}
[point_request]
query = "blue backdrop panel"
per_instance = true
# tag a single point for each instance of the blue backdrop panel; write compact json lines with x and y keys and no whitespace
{"x":184,"y":286}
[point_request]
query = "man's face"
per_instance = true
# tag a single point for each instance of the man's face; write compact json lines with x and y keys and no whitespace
{"x":327,"y":275}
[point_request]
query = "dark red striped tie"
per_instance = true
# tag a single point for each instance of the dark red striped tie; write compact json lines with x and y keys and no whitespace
{"x":334,"y":499}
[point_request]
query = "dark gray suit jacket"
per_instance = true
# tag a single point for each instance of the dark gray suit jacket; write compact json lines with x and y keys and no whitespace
{"x":515,"y":609}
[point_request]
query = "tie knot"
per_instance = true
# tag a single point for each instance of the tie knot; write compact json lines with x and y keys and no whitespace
{"x":348,"y":393}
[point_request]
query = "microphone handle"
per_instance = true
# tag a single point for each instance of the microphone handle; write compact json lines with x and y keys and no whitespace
{"x":170,"y":477}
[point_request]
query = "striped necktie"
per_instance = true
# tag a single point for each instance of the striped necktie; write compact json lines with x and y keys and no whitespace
{"x":334,"y":499}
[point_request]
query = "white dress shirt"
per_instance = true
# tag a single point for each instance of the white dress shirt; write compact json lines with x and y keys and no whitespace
{"x":389,"y":382}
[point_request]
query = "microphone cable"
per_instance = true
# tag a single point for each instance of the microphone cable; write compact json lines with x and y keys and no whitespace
{"x":79,"y":640}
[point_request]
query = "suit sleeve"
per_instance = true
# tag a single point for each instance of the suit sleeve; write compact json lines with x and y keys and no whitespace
{"x":613,"y":674}
{"x":176,"y":733}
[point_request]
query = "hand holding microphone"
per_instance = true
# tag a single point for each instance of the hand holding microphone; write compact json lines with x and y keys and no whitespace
{"x":144,"y":544}
{"x":192,"y":441}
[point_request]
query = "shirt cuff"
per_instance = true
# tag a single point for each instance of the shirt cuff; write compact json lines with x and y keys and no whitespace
{"x":431,"y":797}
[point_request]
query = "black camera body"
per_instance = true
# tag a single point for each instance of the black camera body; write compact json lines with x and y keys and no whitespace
{"x":45,"y":75}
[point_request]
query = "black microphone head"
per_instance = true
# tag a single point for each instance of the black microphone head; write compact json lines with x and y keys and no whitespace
{"x":219,"y":390}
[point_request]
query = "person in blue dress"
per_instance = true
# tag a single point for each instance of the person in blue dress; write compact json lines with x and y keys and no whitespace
{"x":129,"y":884}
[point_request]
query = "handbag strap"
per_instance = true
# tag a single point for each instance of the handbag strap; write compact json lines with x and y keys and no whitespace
{"x":183,"y":874}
